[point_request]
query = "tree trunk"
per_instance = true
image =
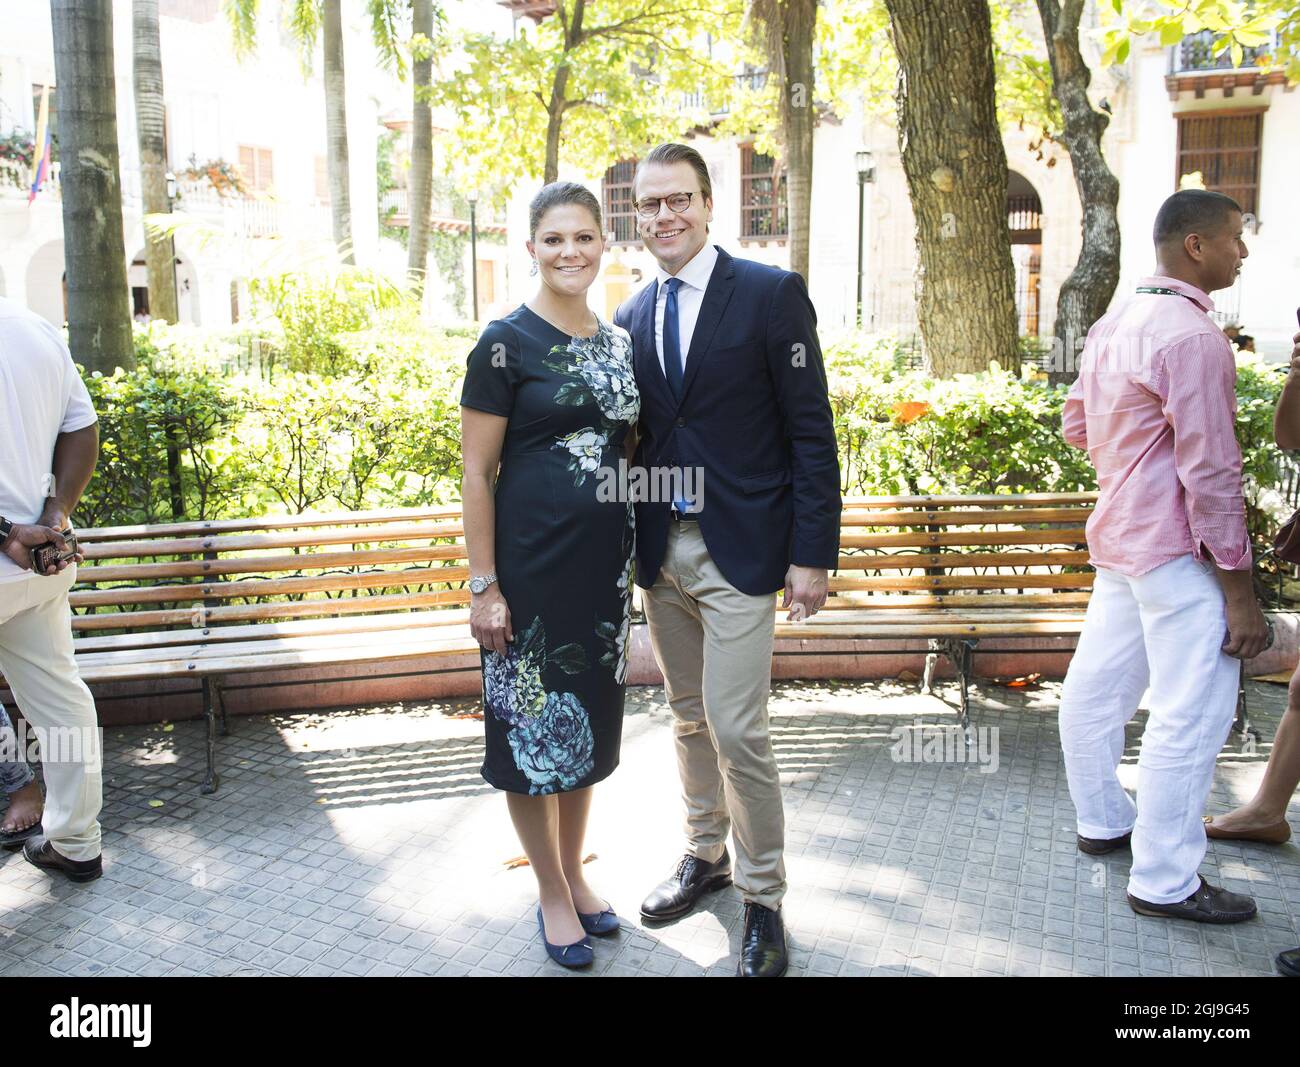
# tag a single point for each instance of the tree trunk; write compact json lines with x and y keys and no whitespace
{"x":558,"y":104}
{"x":1086,"y":293}
{"x":554,"y":121}
{"x":159,"y":253}
{"x":799,"y":120}
{"x":99,"y":314}
{"x":420,"y":187}
{"x":336,"y":127}
{"x":956,"y":171}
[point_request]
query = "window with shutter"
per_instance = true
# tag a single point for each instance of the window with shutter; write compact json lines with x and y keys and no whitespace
{"x":762,"y":195}
{"x":256,"y":164}
{"x":1224,"y":149}
{"x":620,"y":215}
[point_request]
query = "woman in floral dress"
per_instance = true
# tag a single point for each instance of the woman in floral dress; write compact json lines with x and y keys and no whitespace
{"x":548,"y":407}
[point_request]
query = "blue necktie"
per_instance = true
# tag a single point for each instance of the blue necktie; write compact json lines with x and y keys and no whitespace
{"x":673,"y":358}
{"x":673,"y":340}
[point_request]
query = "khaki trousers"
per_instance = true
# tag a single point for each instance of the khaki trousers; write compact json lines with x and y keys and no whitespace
{"x":36,"y":656}
{"x":713,"y":645}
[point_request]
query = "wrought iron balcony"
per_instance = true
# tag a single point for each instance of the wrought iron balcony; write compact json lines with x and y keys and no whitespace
{"x":1196,"y":54}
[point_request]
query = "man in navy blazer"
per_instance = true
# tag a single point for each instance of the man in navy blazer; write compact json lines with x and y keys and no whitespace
{"x":736,"y":424}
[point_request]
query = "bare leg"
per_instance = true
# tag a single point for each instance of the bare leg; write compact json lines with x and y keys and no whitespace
{"x":1281,"y":776}
{"x":574,"y":808}
{"x":537,"y":822}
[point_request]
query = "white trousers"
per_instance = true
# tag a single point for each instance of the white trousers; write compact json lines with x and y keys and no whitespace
{"x":36,"y":656}
{"x":1164,"y":628}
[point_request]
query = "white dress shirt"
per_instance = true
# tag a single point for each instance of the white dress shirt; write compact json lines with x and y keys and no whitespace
{"x":690,"y":295}
{"x":41,"y":396}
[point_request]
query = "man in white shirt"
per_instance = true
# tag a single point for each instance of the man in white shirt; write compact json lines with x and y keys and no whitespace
{"x":49,"y":443}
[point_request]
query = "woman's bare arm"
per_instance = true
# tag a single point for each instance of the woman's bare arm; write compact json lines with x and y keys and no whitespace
{"x":482,"y":436}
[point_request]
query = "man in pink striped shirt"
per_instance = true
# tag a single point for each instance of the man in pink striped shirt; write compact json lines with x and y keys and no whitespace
{"x":1173,"y":606}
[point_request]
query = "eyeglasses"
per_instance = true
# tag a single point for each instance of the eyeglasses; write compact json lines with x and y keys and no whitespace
{"x":648,"y":207}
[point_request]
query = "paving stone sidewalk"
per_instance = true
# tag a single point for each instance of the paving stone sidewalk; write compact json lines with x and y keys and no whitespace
{"x":362,"y":841}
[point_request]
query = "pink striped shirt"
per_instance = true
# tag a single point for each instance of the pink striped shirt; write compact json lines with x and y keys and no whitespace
{"x":1155,"y":404}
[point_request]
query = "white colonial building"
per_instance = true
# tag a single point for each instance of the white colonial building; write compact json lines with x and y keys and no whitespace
{"x":260,"y":116}
{"x":1179,"y":115}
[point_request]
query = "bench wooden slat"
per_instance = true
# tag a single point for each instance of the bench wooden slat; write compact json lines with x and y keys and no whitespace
{"x":979,"y":517}
{"x":812,"y":630}
{"x":961,"y":560}
{"x":429,"y":531}
{"x":269,"y":522}
{"x":349,"y":624}
{"x":280,"y":661}
{"x":1071,"y":536}
{"x":968,"y":602}
{"x":1009,"y":499}
{"x":309,"y":561}
{"x":200,"y":651}
{"x":227,"y":613}
{"x":969,"y":581}
{"x":198,"y":591}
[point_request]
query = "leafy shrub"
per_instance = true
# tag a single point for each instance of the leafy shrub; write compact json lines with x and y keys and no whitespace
{"x":214,"y":424}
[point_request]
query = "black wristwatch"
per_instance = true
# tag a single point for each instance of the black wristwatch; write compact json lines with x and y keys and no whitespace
{"x":6,"y":531}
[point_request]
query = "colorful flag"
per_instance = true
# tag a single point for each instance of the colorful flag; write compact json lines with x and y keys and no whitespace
{"x":41,"y":163}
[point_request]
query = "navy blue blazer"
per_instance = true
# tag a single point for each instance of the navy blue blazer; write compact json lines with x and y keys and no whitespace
{"x":754,"y":418}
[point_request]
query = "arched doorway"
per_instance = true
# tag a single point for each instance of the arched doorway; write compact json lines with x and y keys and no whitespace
{"x":47,"y":290}
{"x":1025,"y":221}
{"x":187,"y":291}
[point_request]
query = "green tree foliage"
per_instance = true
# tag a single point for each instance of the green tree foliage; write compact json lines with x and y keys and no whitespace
{"x":595,"y":82}
{"x":1238,"y":25}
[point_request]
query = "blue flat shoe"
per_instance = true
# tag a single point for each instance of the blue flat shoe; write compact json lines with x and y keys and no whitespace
{"x":600,"y":923}
{"x":579,"y":954}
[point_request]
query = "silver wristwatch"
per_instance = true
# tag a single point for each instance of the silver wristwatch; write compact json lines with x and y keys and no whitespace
{"x":478,"y":585}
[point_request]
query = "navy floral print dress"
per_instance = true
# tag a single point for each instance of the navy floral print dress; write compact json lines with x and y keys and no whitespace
{"x":553,"y":704}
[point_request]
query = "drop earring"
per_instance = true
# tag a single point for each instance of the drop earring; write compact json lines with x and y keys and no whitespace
{"x":533,"y":271}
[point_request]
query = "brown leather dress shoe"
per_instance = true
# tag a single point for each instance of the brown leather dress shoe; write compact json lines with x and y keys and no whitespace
{"x":1100,"y":846}
{"x":40,"y":853}
{"x":1209,"y":904}
{"x":1277,"y":834}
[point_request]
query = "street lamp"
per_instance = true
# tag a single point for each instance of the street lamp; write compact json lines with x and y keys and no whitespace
{"x":171,"y":243}
{"x":473,"y":249}
{"x":866,"y":163}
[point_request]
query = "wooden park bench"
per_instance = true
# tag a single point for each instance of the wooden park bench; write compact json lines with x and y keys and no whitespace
{"x":956,"y":570}
{"x":208,"y":600}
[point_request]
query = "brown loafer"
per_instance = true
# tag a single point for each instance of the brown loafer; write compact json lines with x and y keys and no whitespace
{"x":1277,"y":834}
{"x":40,"y":853}
{"x":1101,"y":846}
{"x":1209,"y":904}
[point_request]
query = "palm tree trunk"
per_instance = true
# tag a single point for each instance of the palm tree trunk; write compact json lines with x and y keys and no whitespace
{"x":420,"y":187}
{"x":799,"y":118}
{"x":160,"y":257}
{"x":336,"y":127}
{"x":1086,"y":293}
{"x":956,"y":171}
{"x":99,"y":315}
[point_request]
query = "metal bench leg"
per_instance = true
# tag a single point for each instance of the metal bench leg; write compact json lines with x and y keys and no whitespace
{"x":931,"y":662}
{"x":964,"y":661}
{"x":1241,"y":724}
{"x":211,"y":780}
{"x":961,"y":652}
{"x":221,"y":703}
